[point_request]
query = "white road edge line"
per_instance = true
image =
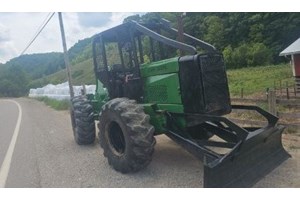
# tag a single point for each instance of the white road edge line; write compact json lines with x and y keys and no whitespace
{"x":4,"y":170}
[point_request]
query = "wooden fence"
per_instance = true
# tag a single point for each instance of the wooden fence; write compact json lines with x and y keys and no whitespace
{"x":283,"y":90}
{"x":287,"y":90}
{"x":273,"y":101}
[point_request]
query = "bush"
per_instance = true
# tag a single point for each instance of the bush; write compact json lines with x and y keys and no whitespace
{"x":240,"y":55}
{"x":259,"y":54}
{"x":247,"y":55}
{"x":227,"y":53}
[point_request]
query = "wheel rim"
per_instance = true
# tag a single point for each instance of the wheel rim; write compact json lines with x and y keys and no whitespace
{"x":116,"y":138}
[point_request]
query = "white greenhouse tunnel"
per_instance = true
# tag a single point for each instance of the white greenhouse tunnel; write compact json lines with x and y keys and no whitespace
{"x":60,"y":91}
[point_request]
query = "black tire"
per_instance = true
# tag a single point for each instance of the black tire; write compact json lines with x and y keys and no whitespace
{"x":126,"y":135}
{"x":84,"y":131}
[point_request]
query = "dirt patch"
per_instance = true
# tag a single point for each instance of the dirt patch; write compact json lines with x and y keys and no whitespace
{"x":291,"y":142}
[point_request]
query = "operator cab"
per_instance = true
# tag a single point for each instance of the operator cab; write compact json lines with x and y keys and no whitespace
{"x":116,"y":64}
{"x":118,"y":54}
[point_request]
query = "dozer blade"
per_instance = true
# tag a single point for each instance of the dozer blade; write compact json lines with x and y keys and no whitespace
{"x":258,"y":155}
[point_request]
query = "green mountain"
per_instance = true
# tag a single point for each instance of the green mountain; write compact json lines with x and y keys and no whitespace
{"x":81,"y":51}
{"x":38,"y":65}
{"x":82,"y":73}
{"x":29,"y":70}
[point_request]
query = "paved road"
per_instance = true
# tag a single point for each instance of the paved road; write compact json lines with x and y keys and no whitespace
{"x":45,"y":155}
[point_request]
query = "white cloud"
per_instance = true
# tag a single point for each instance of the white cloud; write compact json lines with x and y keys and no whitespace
{"x":17,"y":29}
{"x":6,"y":51}
{"x":119,"y":17}
{"x":92,"y":19}
{"x":4,"y":33}
{"x":6,"y":45}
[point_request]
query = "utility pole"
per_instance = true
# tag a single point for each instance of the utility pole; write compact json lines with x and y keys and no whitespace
{"x":68,"y":70}
{"x":66,"y":56}
{"x":180,"y":30}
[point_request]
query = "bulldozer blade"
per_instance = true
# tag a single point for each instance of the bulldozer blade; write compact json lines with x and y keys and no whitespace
{"x":257,"y":156}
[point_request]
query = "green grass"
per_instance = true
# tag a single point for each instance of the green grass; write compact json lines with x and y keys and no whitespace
{"x":55,"y":104}
{"x":82,"y":73}
{"x":257,"y":79}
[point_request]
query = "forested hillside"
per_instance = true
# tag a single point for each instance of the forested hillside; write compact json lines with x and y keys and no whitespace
{"x":24,"y":72}
{"x":38,"y":65}
{"x":245,"y":39}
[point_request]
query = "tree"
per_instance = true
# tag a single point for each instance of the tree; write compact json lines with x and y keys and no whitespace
{"x":215,"y":32}
{"x":239,"y":56}
{"x":132,"y":17}
{"x":15,"y":83}
{"x":259,"y":54}
{"x":227,"y":53}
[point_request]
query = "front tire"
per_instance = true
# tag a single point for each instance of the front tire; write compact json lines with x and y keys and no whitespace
{"x":126,"y":135}
{"x":83,"y":119}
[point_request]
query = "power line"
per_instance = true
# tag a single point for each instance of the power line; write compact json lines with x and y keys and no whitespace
{"x":41,"y":25}
{"x":39,"y":28}
{"x":45,"y":22}
{"x":38,"y":32}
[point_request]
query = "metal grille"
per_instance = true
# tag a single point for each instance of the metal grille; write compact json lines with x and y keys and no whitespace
{"x":158,"y":93}
{"x":214,"y":82}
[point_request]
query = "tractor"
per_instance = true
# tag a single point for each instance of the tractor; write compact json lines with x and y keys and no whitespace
{"x":148,"y":83}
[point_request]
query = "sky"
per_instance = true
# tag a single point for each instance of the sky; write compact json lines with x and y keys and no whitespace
{"x":17,"y":29}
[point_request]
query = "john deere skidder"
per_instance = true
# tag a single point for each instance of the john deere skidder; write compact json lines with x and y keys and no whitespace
{"x":145,"y":89}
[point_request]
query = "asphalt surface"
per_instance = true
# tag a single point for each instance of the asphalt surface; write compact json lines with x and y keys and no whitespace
{"x":46,"y":155}
{"x":8,"y":118}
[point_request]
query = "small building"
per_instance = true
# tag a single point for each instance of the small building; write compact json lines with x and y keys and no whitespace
{"x":294,"y":51}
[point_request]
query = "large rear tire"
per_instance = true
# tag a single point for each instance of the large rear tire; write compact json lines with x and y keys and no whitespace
{"x":84,"y":131}
{"x":126,"y":135}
